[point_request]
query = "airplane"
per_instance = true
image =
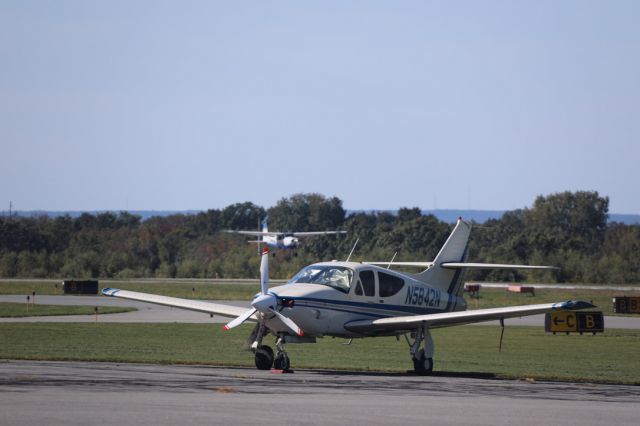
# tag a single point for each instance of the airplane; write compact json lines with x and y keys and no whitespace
{"x":361,"y":299}
{"x":281,"y":240}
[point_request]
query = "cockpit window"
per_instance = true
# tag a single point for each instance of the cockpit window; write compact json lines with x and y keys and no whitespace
{"x":337,"y":277}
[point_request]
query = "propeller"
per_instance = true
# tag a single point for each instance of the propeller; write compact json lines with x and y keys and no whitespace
{"x":265,"y":302}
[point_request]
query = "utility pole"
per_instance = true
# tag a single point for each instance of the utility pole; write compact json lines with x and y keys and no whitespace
{"x":10,"y":208}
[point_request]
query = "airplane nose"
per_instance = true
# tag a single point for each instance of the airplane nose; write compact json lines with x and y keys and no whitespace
{"x":264,"y":303}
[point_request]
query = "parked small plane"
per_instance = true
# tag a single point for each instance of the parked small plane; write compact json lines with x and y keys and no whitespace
{"x":359,"y":299}
{"x":281,"y":240}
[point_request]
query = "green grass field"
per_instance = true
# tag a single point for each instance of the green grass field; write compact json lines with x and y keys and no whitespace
{"x":489,"y":297}
{"x":17,"y":310}
{"x":528,"y":353}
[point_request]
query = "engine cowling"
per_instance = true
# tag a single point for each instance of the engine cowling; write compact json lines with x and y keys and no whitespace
{"x":290,"y":242}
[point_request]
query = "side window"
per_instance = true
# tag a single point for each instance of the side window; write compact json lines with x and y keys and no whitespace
{"x":359,"y":289}
{"x":368,"y":283}
{"x":389,"y":284}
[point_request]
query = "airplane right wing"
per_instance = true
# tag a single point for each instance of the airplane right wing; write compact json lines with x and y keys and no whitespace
{"x":192,"y":305}
{"x":308,"y":234}
{"x":448,"y":319}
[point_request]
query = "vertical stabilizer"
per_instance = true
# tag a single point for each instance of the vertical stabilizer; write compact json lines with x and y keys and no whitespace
{"x":265,"y":227}
{"x":453,"y":250}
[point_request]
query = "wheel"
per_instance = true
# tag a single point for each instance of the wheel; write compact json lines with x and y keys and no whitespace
{"x":264,"y":358}
{"x":269,"y":350}
{"x":423,"y":366}
{"x":281,"y":362}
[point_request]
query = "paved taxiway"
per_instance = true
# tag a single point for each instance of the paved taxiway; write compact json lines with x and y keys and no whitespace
{"x":64,"y":393}
{"x":155,"y":313}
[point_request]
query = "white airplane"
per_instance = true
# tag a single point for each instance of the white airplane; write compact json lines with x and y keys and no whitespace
{"x":359,"y":299}
{"x":281,"y":240}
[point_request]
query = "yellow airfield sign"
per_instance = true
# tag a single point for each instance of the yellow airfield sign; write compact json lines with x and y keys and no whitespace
{"x":574,"y":322}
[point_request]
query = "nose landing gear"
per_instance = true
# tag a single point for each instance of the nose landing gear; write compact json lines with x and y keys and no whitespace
{"x":264,"y":357}
{"x":281,"y":362}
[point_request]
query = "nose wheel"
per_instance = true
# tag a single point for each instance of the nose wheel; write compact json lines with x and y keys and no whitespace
{"x":264,"y":358}
{"x":281,"y":362}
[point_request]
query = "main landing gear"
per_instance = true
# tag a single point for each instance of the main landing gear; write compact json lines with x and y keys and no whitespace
{"x":422,"y":357}
{"x":264,"y":357}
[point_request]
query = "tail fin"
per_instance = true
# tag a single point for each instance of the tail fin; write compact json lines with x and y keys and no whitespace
{"x":265,"y":227}
{"x":453,"y":250}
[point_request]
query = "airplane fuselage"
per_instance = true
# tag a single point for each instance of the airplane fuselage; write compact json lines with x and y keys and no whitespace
{"x":349,"y":291}
{"x":281,"y":241}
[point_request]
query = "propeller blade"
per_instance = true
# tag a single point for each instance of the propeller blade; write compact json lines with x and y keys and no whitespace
{"x":242,"y":318}
{"x":289,"y":323}
{"x":264,"y":271}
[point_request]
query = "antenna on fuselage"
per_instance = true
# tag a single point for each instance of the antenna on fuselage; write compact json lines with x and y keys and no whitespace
{"x":392,"y":259}
{"x":354,"y":247}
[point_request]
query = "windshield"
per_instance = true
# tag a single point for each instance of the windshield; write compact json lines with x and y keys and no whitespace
{"x":337,"y":277}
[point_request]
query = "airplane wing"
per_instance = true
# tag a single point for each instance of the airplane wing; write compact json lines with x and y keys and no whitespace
{"x":254,"y":233}
{"x":464,"y":265}
{"x":448,"y":319}
{"x":192,"y":305}
{"x":308,"y":234}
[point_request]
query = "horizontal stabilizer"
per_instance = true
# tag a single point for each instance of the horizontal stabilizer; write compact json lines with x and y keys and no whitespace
{"x":416,"y":264}
{"x":465,"y":265}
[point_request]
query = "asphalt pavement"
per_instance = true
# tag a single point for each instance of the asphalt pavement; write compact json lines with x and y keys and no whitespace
{"x":81,"y":393}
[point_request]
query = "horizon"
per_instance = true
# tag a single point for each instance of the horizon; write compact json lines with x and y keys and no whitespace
{"x":445,"y":215}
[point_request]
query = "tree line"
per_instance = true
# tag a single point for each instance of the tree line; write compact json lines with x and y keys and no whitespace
{"x":570,"y":230}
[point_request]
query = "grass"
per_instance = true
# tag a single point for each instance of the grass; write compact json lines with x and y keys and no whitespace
{"x":611,"y":357}
{"x":17,"y":310}
{"x":489,"y":297}
{"x":496,"y":297}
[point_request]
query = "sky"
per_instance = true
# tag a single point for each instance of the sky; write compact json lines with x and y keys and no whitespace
{"x":155,"y":105}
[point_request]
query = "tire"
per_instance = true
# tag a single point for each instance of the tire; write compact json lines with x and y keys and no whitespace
{"x":269,"y":350}
{"x":264,"y":358}
{"x":423,"y":366}
{"x":281,"y":362}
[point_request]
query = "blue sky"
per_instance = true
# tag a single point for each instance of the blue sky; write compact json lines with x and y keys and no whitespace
{"x":194,"y":105}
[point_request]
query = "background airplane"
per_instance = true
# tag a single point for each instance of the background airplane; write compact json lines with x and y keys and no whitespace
{"x":359,"y":299}
{"x":281,"y":240}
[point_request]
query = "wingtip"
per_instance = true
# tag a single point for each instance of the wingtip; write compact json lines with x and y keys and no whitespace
{"x":574,"y":305}
{"x":225,"y":327}
{"x":108,"y":291}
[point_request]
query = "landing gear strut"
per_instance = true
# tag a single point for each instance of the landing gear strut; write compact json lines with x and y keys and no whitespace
{"x":263,"y":354}
{"x":422,"y":357}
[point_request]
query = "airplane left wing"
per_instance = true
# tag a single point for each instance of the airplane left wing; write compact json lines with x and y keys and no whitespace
{"x":448,"y":319}
{"x":192,"y":305}
{"x":254,"y":233}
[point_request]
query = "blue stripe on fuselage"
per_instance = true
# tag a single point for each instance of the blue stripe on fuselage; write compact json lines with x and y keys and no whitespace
{"x":380,"y":310}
